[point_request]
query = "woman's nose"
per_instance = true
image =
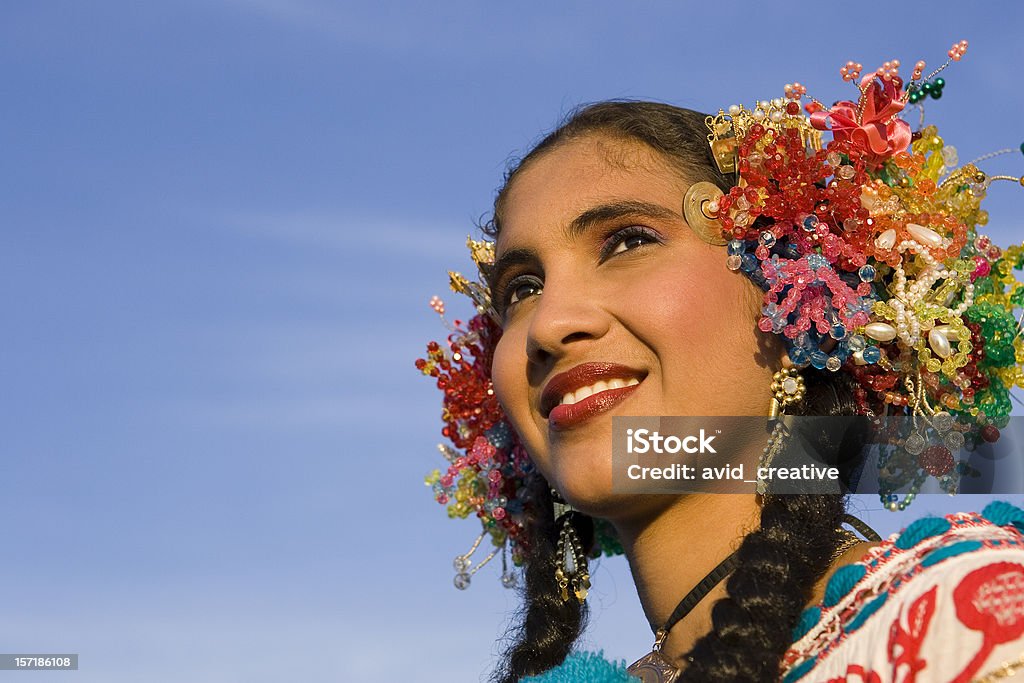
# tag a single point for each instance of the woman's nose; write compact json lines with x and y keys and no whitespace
{"x":566,"y":314}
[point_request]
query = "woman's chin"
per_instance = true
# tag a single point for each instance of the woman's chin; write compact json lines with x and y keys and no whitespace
{"x":593,"y":496}
{"x":584,"y":487}
{"x":623,"y":510}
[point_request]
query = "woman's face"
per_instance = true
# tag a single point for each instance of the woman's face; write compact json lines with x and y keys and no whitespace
{"x":612,"y":306}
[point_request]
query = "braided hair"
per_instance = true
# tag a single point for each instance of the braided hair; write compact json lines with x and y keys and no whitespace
{"x":779,"y":563}
{"x":548,"y":627}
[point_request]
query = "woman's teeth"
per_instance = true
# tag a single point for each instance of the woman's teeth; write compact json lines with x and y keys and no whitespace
{"x":596,"y":388}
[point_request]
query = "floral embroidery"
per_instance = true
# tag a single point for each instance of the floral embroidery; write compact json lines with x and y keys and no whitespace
{"x":905,"y":643}
{"x":856,"y":673}
{"x":963,"y":603}
{"x":991,"y":600}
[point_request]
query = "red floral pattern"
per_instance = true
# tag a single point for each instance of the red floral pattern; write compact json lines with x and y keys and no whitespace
{"x":991,"y":600}
{"x":905,"y":643}
{"x":951,"y":609}
{"x":855,"y":673}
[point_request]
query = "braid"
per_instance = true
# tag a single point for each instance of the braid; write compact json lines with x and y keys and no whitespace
{"x":549,"y":627}
{"x":779,"y":563}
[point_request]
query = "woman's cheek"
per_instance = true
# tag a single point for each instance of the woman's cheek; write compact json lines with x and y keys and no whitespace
{"x":499,"y":374}
{"x":511,"y":388}
{"x":508,"y":373}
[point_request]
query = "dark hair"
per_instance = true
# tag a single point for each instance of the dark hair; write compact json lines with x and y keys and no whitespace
{"x":680,"y":135}
{"x":779,"y":562}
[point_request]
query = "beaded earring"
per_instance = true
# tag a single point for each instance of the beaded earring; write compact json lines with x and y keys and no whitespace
{"x":570,"y":559}
{"x":787,"y":389}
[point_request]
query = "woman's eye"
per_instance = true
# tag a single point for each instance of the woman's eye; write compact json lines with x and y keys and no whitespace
{"x":522,"y":288}
{"x":631,"y":242}
{"x":627,"y":239}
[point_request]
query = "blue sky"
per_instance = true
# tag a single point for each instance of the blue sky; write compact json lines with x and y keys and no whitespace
{"x":220,"y":223}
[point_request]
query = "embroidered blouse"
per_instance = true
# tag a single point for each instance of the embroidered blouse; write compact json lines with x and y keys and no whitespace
{"x":942,"y":601}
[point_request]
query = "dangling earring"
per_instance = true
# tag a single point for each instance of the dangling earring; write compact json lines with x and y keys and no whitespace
{"x":775,"y":441}
{"x":700,"y":209}
{"x":787,"y":389}
{"x":463,"y":564}
{"x":570,"y":560}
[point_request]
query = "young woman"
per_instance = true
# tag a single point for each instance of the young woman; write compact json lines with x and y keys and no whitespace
{"x":611,"y":291}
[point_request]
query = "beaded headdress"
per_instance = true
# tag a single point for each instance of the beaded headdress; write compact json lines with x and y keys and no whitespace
{"x":867,"y":246}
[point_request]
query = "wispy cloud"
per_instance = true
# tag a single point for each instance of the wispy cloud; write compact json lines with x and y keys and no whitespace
{"x":449,"y":29}
{"x":345,"y":232}
{"x":341,"y":22}
{"x":276,"y":412}
{"x":302,"y":375}
{"x":215,"y":644}
{"x":310,"y":351}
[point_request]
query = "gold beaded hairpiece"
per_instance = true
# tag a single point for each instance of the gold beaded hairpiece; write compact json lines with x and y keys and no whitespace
{"x":728,"y":130}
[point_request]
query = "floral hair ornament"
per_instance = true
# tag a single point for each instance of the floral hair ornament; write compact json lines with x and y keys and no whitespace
{"x":867,"y":247}
{"x":869,"y":253}
{"x":487,"y":465}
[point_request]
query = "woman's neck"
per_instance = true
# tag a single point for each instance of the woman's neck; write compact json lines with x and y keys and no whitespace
{"x":671,"y":552}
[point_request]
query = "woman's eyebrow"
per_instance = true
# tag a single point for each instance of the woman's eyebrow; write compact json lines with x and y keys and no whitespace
{"x":613,"y":211}
{"x":587,"y":220}
{"x":511,"y":258}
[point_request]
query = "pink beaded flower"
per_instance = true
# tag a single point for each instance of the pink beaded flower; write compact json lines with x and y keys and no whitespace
{"x":871,"y":124}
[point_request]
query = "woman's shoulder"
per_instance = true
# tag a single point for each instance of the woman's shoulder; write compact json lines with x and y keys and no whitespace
{"x":943,"y":598}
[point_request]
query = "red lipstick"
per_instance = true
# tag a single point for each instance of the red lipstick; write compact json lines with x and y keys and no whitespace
{"x":585,"y":374}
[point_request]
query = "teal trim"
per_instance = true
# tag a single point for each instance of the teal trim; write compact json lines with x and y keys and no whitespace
{"x":842,"y":582}
{"x":940,"y":554}
{"x":865,"y":612}
{"x":1002,"y":513}
{"x":808,"y":619}
{"x":926,"y":527}
{"x":799,"y":671}
{"x":591,"y":667}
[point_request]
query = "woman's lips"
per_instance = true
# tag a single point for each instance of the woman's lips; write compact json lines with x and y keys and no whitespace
{"x":563,"y":416}
{"x":567,"y":416}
